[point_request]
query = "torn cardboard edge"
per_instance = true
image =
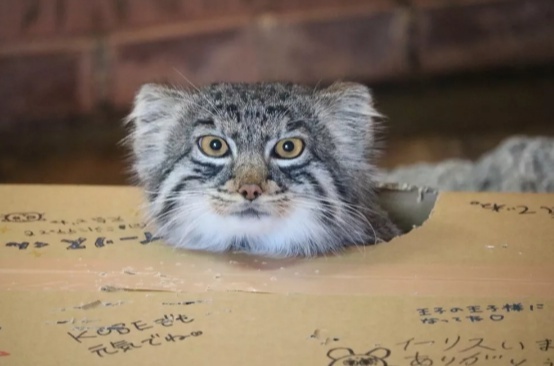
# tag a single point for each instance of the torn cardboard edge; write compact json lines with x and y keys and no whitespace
{"x":408,"y":206}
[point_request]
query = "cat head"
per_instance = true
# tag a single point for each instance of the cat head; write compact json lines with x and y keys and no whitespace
{"x":268,"y":168}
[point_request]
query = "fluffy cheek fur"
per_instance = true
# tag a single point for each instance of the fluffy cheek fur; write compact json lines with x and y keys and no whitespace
{"x":197,"y":225}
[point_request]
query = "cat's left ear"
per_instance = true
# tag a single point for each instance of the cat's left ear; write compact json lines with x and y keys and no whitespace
{"x":350,"y":100}
{"x":347,"y":110}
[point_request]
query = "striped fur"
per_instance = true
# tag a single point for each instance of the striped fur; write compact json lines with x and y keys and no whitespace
{"x":316,"y":203}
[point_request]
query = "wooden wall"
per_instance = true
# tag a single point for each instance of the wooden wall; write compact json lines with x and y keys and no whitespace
{"x":451,"y":75}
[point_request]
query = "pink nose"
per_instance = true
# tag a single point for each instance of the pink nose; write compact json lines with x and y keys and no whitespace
{"x":250,"y":191}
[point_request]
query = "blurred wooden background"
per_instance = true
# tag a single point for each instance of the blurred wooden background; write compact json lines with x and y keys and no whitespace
{"x":454,"y":77}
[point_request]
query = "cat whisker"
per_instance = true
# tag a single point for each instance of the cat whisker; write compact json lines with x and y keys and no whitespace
{"x":184,"y":192}
{"x":314,"y":90}
{"x":341,"y":227}
{"x":352,"y":211}
{"x":195,"y":211}
{"x":338,"y":203}
{"x":150,"y":207}
{"x":332,"y":200}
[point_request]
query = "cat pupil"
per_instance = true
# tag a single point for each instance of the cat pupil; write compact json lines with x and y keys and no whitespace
{"x":216,"y":145}
{"x":288,"y":146}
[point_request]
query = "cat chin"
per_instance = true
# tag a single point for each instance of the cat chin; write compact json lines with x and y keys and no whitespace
{"x":297,"y":234}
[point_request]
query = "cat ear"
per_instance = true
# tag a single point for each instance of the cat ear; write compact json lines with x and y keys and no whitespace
{"x":347,"y":111}
{"x":156,"y":103}
{"x":346,"y":91}
{"x":156,"y":109}
{"x":352,"y":101}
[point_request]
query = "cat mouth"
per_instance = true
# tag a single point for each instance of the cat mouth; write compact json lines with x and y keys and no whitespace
{"x":250,"y":212}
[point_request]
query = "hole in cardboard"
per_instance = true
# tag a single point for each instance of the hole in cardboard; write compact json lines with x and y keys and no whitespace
{"x":408,"y":206}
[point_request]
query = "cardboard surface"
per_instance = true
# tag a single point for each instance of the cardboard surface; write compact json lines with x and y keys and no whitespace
{"x":83,"y":280}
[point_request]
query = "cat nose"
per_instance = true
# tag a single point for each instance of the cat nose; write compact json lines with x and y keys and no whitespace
{"x":250,"y":191}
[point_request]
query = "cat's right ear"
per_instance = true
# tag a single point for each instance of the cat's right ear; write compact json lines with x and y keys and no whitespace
{"x":155,"y":104}
{"x":156,"y":109}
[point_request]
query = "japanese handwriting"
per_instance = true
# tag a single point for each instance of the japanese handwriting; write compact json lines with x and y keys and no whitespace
{"x":474,"y":313}
{"x":515,"y":209}
{"x":22,"y":217}
{"x":96,"y":224}
{"x":454,"y":350}
{"x":112,"y":348}
{"x":134,"y":335}
{"x":82,"y":243}
{"x":71,"y":230}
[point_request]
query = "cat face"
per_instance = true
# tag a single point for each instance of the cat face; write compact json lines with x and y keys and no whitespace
{"x":272,"y":169}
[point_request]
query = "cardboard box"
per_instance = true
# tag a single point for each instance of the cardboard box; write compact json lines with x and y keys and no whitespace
{"x":83,"y":281}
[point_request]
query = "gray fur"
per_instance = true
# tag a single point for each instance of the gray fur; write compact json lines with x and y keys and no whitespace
{"x":319,"y":202}
{"x":518,"y":164}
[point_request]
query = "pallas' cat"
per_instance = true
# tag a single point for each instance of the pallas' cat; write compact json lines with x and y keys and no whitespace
{"x":268,"y":168}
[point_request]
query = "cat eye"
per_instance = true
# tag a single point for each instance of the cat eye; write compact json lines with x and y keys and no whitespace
{"x":288,"y":148}
{"x":213,"y":146}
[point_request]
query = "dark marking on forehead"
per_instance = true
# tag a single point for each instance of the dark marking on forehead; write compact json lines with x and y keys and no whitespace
{"x":243,"y":96}
{"x":261,"y":117}
{"x":283,"y":96}
{"x":233,"y":111}
{"x":254,"y":113}
{"x":232,"y":108}
{"x":212,"y":108}
{"x":218,"y":96}
{"x":277,"y":110}
{"x":256,"y":103}
{"x":204,"y":122}
{"x":297,"y":125}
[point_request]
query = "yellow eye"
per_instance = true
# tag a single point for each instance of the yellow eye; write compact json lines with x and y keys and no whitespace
{"x":213,"y":146}
{"x":289,"y":148}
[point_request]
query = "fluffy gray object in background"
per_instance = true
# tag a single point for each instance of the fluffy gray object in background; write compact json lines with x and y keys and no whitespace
{"x":519,"y":164}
